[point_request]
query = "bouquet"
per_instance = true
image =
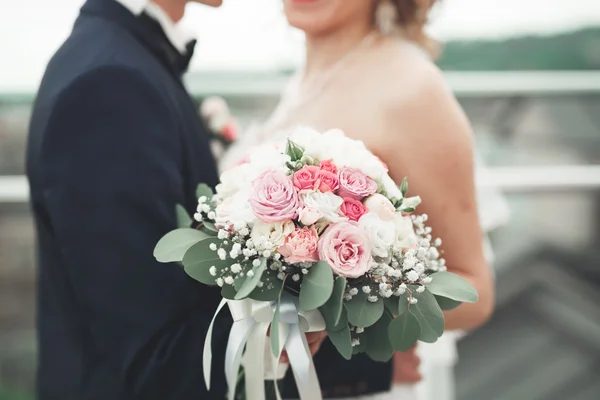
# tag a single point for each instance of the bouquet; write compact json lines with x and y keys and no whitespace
{"x":312,"y":234}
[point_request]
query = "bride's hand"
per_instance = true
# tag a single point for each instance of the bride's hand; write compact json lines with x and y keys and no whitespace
{"x":314,"y":340}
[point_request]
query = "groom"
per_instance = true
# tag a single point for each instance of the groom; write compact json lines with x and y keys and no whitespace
{"x":115,"y":142}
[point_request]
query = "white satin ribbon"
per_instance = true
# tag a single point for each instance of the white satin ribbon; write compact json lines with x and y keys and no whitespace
{"x":251,"y":323}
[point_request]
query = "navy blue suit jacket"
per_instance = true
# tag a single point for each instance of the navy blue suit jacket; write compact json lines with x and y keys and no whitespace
{"x":115,"y":143}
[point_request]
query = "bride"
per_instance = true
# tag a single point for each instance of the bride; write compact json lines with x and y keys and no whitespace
{"x":367,"y":72}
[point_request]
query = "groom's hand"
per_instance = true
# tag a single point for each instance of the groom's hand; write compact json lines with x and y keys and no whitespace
{"x":314,"y":339}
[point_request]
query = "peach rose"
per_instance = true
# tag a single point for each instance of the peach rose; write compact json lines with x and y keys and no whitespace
{"x":301,"y":246}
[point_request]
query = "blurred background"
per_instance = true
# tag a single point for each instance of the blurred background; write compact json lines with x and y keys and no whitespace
{"x":527,"y":73}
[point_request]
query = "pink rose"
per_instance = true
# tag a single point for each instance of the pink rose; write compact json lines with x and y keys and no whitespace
{"x":381,"y":206}
{"x":273,"y":197}
{"x":346,"y":248}
{"x":327,"y":182}
{"x":355,"y":184}
{"x":353,"y":209}
{"x":328,"y":165}
{"x":301,"y":246}
{"x":306,"y":177}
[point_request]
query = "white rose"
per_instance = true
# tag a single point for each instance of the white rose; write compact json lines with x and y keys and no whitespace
{"x":405,"y":234}
{"x":410,"y":202}
{"x":235,"y":210}
{"x":390,"y":187}
{"x":320,"y":205}
{"x":381,"y":206}
{"x":305,"y":137}
{"x":236,"y":179}
{"x":274,"y":234}
{"x":268,"y":157}
{"x":381,"y":233}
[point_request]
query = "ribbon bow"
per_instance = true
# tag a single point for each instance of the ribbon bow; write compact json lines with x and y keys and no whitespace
{"x":251,"y":323}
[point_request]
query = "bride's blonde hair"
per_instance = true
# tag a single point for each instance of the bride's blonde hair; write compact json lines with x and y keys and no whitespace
{"x":412,"y":16}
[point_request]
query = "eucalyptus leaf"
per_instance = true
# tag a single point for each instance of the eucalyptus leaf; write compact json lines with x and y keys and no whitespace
{"x":404,"y":331}
{"x":228,"y":292}
{"x":198,"y":260}
{"x":204,"y":190}
{"x":251,"y":281}
{"x":332,"y":309}
{"x":275,"y":331}
{"x":176,"y":243}
{"x":430,"y":316}
{"x":316,"y":286}
{"x":452,"y":286}
{"x":362,"y":312}
{"x":270,"y":289}
{"x":209,"y":226}
{"x":183,"y":218}
{"x":397,"y":304}
{"x":342,"y":341}
{"x":379,"y":347}
{"x":447,"y":304}
{"x":391,"y":303}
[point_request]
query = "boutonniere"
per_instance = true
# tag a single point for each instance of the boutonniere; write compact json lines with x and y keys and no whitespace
{"x":222,"y":126}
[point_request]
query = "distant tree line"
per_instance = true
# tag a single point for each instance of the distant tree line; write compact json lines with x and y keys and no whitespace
{"x":578,"y":50}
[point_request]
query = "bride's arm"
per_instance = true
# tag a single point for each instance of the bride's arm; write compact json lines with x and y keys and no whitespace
{"x":429,"y":140}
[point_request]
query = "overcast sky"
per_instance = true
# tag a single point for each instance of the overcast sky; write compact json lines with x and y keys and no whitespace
{"x":253,"y":33}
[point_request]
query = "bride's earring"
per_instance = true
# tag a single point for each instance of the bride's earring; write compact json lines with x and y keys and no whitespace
{"x":386,"y":16}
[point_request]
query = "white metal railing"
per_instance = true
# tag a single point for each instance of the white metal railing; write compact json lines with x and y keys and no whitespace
{"x":471,"y":83}
{"x":15,"y":189}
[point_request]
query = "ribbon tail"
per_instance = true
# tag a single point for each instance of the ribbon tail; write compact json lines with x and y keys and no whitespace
{"x":284,"y":331}
{"x":254,"y":362}
{"x":302,"y":365}
{"x":207,"y":351}
{"x":235,"y":349}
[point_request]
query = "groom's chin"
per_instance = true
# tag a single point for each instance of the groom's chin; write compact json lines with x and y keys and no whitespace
{"x":211,"y":3}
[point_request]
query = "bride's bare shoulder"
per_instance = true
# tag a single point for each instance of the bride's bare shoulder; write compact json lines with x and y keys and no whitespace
{"x":405,"y":73}
{"x":413,"y":98}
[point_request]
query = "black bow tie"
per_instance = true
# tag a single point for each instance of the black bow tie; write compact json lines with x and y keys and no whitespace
{"x":176,"y":61}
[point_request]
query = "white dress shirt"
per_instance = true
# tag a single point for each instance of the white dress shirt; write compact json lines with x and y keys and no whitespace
{"x":176,"y":32}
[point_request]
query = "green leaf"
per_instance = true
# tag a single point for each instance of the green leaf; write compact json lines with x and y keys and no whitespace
{"x":199,"y":258}
{"x":408,"y":210}
{"x":447,"y":304}
{"x":270,"y":290}
{"x":391,"y":303}
{"x":228,"y":292}
{"x":342,"y":341}
{"x":293,"y":150}
{"x":404,"y":331}
{"x":209,"y":227}
{"x":362,"y":312}
{"x":430,"y":316}
{"x":379,"y":347}
{"x":332,"y":309}
{"x":275,"y":331}
{"x":251,"y":281}
{"x":452,"y":286}
{"x":183,"y":218}
{"x":204,"y":190}
{"x":397,"y":304}
{"x":404,"y":187}
{"x":176,"y":243}
{"x":316,"y":286}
